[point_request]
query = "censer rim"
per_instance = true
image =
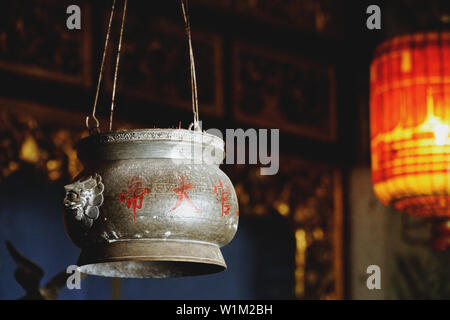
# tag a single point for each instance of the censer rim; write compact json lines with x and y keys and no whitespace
{"x":156,"y":134}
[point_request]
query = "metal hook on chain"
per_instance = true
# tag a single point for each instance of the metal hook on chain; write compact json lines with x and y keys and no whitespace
{"x":96,"y":127}
{"x":196,"y":123}
{"x":116,"y":71}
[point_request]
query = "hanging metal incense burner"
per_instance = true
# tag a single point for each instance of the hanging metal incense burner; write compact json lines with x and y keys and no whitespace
{"x":143,"y":208}
{"x":151,"y":202}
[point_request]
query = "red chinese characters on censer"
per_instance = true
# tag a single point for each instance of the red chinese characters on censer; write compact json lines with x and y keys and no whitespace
{"x":182,"y":195}
{"x":134,"y":196}
{"x":224,"y":192}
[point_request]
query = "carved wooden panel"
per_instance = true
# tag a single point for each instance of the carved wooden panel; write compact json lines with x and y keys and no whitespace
{"x":315,"y":16}
{"x":35,"y":41}
{"x":154,"y":64}
{"x":39,"y":140}
{"x":277,"y":91}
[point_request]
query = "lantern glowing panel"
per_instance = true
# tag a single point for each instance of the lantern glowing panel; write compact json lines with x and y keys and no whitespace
{"x":410,"y":125}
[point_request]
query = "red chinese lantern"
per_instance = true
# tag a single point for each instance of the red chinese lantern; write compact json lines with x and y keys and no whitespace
{"x":410,"y":125}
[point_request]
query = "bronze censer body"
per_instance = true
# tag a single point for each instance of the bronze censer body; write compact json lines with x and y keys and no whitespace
{"x":151,"y":202}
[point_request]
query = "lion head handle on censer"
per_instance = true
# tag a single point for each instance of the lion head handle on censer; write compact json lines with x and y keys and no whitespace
{"x":83,"y":199}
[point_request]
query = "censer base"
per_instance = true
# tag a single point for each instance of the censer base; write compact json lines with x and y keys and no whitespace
{"x":152,"y":259}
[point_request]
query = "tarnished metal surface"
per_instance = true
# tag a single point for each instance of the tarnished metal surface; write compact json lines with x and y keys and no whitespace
{"x":165,"y":212}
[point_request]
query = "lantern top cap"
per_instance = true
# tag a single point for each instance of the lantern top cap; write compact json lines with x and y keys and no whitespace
{"x":414,"y":39}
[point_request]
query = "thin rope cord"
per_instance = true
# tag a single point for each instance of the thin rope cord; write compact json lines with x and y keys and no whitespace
{"x":100,"y":76}
{"x":117,"y":66}
{"x":192,"y":66}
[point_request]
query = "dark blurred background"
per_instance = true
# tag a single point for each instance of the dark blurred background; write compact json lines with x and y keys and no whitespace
{"x":302,"y":66}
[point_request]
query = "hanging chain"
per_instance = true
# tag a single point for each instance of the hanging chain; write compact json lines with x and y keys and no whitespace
{"x":117,"y":66}
{"x":192,"y":67}
{"x":196,"y":123}
{"x":100,"y":76}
